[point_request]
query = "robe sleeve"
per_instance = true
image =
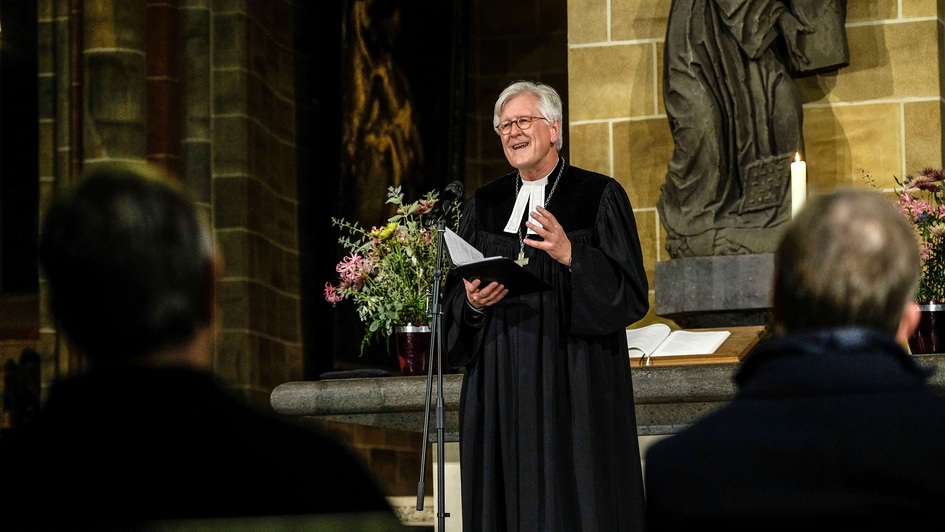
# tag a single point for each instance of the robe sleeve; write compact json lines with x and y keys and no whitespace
{"x":609,"y":289}
{"x":464,"y":327}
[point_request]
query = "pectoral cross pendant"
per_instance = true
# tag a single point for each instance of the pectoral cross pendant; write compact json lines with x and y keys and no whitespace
{"x":521,"y":261}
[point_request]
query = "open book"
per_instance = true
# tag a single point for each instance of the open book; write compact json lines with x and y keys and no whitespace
{"x":658,"y":340}
{"x":471,"y":264}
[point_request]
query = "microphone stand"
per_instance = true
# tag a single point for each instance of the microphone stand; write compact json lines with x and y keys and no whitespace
{"x":436,"y":348}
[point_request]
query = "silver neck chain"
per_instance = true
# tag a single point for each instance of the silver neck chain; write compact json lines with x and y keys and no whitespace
{"x":518,"y":181}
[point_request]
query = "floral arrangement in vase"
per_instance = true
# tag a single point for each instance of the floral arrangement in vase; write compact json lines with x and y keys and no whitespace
{"x":921,"y":199}
{"x":388,"y":271}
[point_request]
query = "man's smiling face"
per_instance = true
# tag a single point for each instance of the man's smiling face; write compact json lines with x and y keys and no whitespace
{"x":531,"y":151}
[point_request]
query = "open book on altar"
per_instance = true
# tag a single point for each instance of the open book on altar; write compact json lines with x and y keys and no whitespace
{"x":658,"y":341}
{"x":471,"y":264}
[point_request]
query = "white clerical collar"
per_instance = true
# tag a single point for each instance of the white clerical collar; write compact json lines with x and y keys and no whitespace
{"x":530,"y":195}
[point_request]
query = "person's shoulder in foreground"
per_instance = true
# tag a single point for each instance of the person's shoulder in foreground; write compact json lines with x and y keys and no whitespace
{"x":834,"y":423}
{"x":169,"y":444}
{"x":144,"y":432}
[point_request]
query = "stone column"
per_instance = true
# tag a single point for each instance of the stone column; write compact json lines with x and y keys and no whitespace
{"x":114,"y":66}
{"x":254,"y":194}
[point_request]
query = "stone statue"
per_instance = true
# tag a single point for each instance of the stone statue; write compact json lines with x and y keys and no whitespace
{"x":736,"y":116}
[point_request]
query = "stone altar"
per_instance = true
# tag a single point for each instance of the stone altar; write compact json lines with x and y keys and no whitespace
{"x":667,"y":397}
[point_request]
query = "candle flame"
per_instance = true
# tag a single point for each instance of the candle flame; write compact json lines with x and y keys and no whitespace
{"x":797,"y":156}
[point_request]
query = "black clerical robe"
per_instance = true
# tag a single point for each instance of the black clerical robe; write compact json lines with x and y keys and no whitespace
{"x":548,"y":436}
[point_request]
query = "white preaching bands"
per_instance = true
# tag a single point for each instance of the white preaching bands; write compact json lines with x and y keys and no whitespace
{"x":530,"y":195}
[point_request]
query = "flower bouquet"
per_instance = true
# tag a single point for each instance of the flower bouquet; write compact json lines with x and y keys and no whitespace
{"x":922,"y":200}
{"x":388,"y":271}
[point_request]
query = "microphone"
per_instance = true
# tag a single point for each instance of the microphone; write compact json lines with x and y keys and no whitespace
{"x":451,"y":193}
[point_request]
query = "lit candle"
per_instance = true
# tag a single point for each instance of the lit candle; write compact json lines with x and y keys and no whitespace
{"x":798,"y":183}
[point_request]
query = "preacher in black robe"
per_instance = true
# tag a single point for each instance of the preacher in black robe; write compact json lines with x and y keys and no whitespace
{"x":548,"y":437}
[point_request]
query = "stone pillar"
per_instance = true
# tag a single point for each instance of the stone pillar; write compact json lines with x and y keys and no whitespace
{"x":207,"y":90}
{"x":254,"y":195}
{"x":114,"y":66}
{"x":162,"y":86}
{"x":194,"y":20}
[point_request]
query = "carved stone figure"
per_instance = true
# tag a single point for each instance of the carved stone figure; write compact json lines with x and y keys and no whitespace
{"x":736,"y":116}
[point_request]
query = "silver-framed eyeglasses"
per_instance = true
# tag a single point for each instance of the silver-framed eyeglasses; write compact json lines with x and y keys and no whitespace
{"x":523,"y":123}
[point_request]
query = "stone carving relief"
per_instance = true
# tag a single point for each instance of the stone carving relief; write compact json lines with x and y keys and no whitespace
{"x":736,"y":116}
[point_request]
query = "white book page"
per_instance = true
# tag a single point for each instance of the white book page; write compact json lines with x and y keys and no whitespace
{"x":645,"y":340}
{"x":461,"y":252}
{"x":691,"y":343}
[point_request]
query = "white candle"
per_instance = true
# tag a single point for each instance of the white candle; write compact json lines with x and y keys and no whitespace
{"x":798,"y":184}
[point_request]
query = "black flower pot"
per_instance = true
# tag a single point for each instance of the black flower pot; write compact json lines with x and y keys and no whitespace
{"x":413,"y":349}
{"x":929,"y":336}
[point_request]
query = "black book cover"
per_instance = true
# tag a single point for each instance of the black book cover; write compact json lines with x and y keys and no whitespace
{"x":504,"y":271}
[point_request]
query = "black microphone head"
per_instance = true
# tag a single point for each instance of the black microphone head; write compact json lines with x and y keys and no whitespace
{"x":454,"y":189}
{"x":452,"y":192}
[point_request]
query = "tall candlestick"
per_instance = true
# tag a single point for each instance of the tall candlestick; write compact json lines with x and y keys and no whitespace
{"x":798,"y":184}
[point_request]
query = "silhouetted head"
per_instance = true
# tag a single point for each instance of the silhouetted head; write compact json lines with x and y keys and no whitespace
{"x":129,"y":262}
{"x":849,"y":259}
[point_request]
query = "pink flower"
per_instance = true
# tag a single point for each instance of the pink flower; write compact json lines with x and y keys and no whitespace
{"x":932,"y":174}
{"x":353,"y":271}
{"x":425,"y":206}
{"x":331,"y":294}
{"x":913,"y":207}
{"x":925,"y":250}
{"x":928,"y":179}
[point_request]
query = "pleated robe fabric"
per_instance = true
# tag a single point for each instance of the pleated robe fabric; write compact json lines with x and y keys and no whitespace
{"x":548,"y":436}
